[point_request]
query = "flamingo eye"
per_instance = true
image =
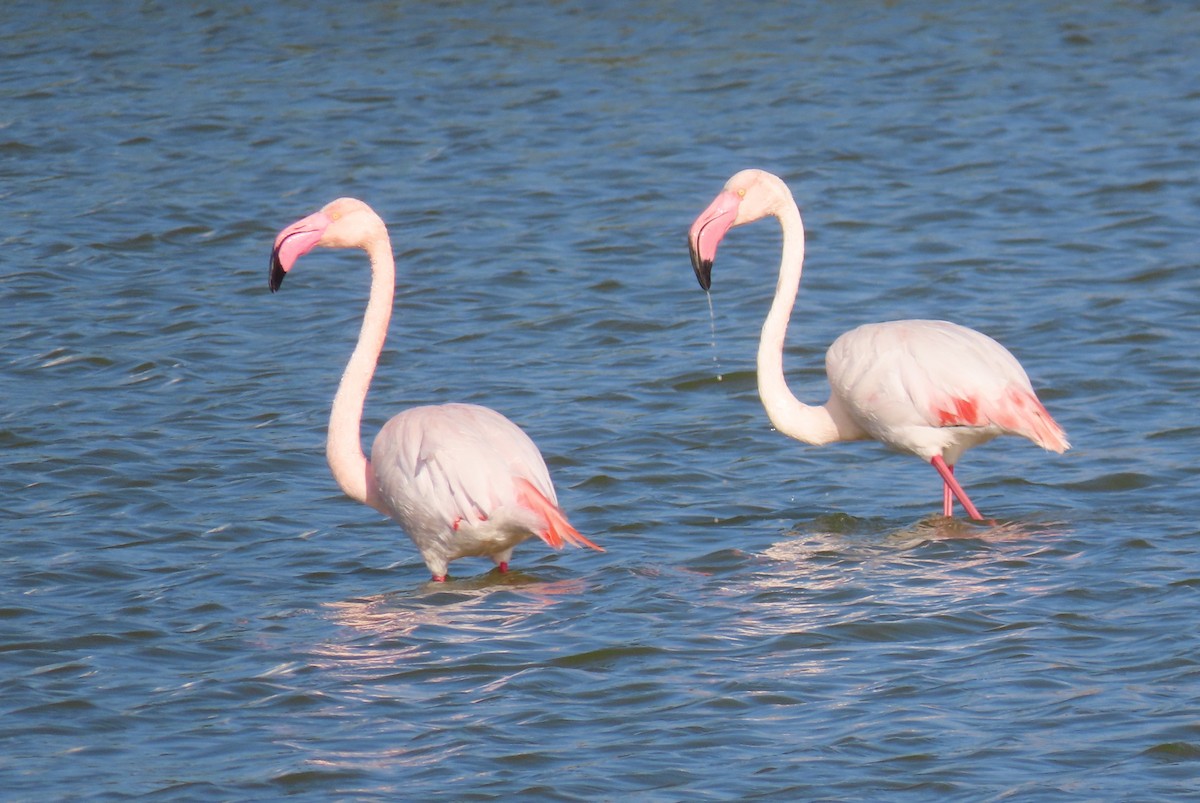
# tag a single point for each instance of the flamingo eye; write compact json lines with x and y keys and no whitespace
{"x":742,"y":193}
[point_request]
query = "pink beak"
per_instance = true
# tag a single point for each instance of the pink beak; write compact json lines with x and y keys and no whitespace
{"x":708,"y":230}
{"x":294,"y":242}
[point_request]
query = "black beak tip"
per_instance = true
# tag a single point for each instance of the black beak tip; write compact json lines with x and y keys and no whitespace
{"x":702,"y":267}
{"x":275,"y":279}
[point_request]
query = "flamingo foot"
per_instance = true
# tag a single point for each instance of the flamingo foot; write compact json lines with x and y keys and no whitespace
{"x":952,"y":487}
{"x":502,"y":566}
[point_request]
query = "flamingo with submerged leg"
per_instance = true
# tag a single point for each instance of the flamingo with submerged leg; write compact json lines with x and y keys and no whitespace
{"x":461,"y":479}
{"x":930,"y":388}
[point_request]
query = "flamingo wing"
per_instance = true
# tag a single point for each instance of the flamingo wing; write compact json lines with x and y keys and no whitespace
{"x":915,"y":375}
{"x":455,"y":463}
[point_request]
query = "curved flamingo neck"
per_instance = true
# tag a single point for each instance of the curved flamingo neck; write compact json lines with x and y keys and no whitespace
{"x":807,"y":423}
{"x":343,"y":449}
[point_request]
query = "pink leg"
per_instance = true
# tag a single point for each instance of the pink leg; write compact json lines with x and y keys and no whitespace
{"x":502,"y":566}
{"x":439,"y":579}
{"x":952,"y":486}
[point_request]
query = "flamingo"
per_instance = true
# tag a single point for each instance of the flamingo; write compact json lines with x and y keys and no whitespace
{"x":930,"y":388}
{"x":461,"y":479}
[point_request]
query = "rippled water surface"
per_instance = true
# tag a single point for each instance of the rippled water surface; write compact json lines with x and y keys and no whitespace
{"x":190,"y":609}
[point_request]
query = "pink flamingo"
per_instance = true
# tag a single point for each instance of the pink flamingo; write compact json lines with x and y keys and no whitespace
{"x":930,"y":388}
{"x":460,"y":479}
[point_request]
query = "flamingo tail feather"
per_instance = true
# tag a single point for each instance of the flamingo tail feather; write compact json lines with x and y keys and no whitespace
{"x":558,"y":530}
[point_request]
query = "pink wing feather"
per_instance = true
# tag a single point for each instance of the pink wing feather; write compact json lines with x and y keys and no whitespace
{"x":558,"y":529}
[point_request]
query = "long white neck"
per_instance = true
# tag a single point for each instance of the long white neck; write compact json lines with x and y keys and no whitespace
{"x":343,"y":449}
{"x":815,"y":425}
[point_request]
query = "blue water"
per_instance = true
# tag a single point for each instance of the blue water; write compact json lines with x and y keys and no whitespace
{"x":190,"y":610}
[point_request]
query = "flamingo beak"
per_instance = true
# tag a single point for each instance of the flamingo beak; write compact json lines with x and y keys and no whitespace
{"x":294,"y":242}
{"x":708,"y":230}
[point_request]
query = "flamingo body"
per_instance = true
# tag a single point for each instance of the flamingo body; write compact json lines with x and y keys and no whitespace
{"x":461,"y":479}
{"x":930,"y":388}
{"x":935,"y":388}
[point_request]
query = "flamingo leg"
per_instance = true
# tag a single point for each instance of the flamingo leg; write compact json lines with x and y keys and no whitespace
{"x":502,"y":566}
{"x":439,"y":578}
{"x":952,"y":486}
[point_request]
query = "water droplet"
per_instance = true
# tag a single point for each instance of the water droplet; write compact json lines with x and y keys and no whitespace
{"x":712,"y":322}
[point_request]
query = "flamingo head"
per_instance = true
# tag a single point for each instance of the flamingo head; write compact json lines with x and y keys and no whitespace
{"x":747,"y":197}
{"x":344,"y":223}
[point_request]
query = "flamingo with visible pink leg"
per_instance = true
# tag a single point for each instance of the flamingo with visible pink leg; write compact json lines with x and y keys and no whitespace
{"x":461,"y":479}
{"x":930,"y":388}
